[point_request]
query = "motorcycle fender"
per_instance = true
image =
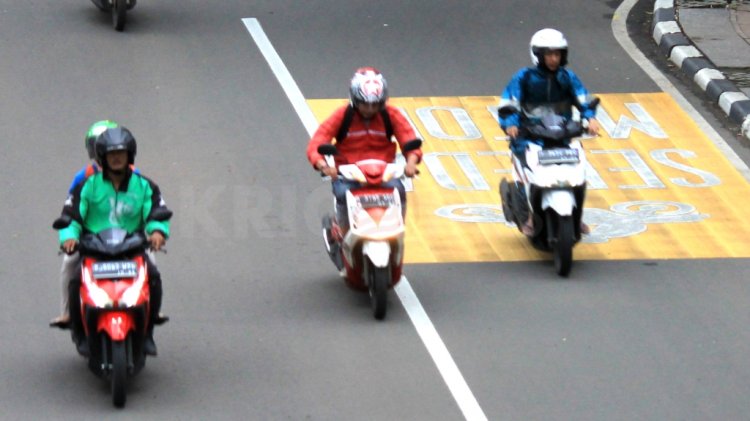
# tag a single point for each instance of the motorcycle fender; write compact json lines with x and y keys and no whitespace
{"x":379,"y":252}
{"x":117,"y":324}
{"x":562,"y":201}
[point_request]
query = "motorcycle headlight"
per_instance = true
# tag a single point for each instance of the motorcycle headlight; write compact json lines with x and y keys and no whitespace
{"x":99,"y":296}
{"x":130,"y":297}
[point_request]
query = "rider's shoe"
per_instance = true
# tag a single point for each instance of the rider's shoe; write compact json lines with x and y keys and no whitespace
{"x":528,"y":227}
{"x":160,"y":319}
{"x":62,"y":322}
{"x":585,"y":228}
{"x":149,"y":346}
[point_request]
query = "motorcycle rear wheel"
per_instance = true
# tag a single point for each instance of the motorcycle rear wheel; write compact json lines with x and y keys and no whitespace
{"x":119,"y":373}
{"x":378,"y":283}
{"x":563,"y":248}
{"x":119,"y":8}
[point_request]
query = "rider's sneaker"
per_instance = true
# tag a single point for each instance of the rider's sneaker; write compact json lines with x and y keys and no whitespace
{"x":342,"y":272}
{"x":585,"y":228}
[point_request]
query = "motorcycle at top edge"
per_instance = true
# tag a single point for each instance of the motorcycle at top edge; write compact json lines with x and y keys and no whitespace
{"x":118,"y":9}
{"x":549,"y":183}
{"x":371,"y":252}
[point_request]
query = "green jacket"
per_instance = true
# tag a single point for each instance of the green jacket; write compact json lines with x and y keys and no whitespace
{"x":95,"y":206}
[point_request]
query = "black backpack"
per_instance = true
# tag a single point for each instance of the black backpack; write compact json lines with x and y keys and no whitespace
{"x":349,"y":114}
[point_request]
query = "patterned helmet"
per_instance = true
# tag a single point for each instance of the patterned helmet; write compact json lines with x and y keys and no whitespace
{"x":94,"y":131}
{"x":368,"y":86}
{"x":547,"y":40}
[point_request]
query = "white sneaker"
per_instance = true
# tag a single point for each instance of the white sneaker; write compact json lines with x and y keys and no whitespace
{"x":342,"y":272}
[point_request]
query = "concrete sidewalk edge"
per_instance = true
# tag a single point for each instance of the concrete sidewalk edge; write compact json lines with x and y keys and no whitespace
{"x":673,"y":42}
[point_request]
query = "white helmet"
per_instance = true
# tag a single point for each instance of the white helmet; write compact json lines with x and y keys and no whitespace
{"x":545,"y":40}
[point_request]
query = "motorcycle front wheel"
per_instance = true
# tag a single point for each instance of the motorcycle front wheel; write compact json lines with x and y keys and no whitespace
{"x":119,"y":8}
{"x":119,"y":373}
{"x":563,"y":248}
{"x":377,"y":285}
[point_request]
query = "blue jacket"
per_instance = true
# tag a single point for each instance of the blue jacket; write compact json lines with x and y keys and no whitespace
{"x":533,"y":92}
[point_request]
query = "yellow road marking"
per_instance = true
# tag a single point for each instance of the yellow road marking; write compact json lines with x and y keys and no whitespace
{"x":659,"y":190}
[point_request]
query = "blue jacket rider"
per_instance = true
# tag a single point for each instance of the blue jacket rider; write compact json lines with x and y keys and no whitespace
{"x":546,"y":88}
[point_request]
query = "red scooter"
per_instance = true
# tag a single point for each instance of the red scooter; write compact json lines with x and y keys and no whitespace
{"x":112,"y":300}
{"x":372,"y":250}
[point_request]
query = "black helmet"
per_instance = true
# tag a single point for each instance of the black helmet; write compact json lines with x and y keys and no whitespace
{"x":115,"y":139}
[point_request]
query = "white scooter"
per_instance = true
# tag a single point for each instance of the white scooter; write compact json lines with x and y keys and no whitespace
{"x":550,"y":184}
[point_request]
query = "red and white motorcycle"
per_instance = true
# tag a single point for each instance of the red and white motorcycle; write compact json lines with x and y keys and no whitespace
{"x":372,"y":251}
{"x":549,"y":188}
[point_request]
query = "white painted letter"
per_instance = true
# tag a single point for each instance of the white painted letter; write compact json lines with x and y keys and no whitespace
{"x":645,"y":123}
{"x":470,"y":130}
{"x":432,"y":161}
{"x":638,"y":165}
{"x":661,"y":156}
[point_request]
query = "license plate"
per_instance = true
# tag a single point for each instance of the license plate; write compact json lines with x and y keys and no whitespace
{"x":116,"y":269}
{"x":558,"y":156}
{"x":376,"y":200}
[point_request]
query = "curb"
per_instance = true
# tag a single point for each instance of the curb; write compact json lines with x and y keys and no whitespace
{"x":668,"y":35}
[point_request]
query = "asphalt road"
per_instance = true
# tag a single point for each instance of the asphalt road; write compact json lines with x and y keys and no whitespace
{"x":261,"y":326}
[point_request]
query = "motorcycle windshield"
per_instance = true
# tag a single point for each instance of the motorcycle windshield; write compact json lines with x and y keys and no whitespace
{"x":554,"y":128}
{"x":113,"y":236}
{"x":112,"y":242}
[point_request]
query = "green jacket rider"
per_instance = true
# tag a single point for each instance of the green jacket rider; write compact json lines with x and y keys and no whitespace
{"x":117,"y":197}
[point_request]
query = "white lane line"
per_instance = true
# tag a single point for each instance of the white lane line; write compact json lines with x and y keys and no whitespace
{"x":427,"y":332}
{"x":440,"y":355}
{"x":282,"y":74}
{"x":620,"y":31}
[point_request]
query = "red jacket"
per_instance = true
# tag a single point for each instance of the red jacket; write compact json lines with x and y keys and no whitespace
{"x":363,"y":142}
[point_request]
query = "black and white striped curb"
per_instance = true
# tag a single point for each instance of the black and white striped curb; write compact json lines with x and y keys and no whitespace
{"x":677,"y":46}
